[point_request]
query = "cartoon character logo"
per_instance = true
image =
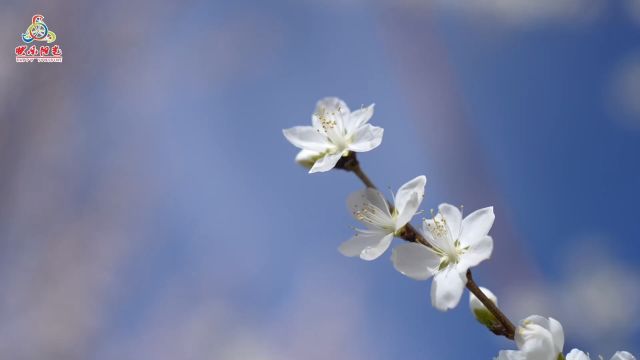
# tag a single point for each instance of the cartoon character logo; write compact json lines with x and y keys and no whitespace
{"x":38,"y":31}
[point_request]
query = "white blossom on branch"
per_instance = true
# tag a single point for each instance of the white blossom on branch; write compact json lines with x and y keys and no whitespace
{"x":383,"y":222}
{"x":457,"y":245}
{"x":335,"y":130}
{"x":537,"y":338}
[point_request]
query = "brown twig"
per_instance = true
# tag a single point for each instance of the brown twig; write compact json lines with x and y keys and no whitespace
{"x":504,"y":326}
{"x":351,"y":163}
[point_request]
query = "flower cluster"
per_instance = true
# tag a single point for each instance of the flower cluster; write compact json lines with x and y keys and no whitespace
{"x":448,"y":246}
{"x":540,"y":338}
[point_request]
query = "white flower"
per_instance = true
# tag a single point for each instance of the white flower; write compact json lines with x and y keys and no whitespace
{"x":537,"y":338}
{"x":457,"y":246}
{"x":481,"y":313}
{"x":334,"y":132}
{"x":576,"y":354}
{"x":370,"y":207}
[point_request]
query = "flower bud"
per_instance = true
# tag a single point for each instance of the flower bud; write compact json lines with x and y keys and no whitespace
{"x":482,"y":314}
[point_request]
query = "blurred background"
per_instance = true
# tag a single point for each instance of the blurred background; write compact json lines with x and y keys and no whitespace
{"x":150,"y":207}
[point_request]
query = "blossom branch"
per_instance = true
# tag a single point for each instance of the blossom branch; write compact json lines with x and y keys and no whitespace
{"x":455,"y":244}
{"x":351,"y":163}
{"x":504,"y":327}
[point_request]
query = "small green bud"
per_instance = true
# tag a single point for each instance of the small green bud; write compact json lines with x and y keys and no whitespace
{"x":481,"y":313}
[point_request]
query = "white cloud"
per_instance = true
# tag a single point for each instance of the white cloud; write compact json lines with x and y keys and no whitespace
{"x":318,"y":319}
{"x":515,"y":13}
{"x":625,"y":91}
{"x":597,"y":300}
{"x":633,"y":9}
{"x":526,"y":12}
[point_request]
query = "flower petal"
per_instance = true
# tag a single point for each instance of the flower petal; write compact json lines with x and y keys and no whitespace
{"x":359,"y":118}
{"x":366,"y":244}
{"x":511,"y":355}
{"x":576,"y":354}
{"x":476,"y":304}
{"x":366,"y":198}
{"x":476,"y":225}
{"x":552,"y":325}
{"x":446,"y":289}
{"x":475,"y":254}
{"x":409,"y":211}
{"x":413,"y":186}
{"x":374,"y":252}
{"x":306,"y":137}
{"x":453,"y":217}
{"x":621,"y":355}
{"x":536,"y":342}
{"x":540,"y":335}
{"x":325,"y":163}
{"x":557,"y":333}
{"x":366,"y":138}
{"x":332,"y":104}
{"x":405,"y":205}
{"x":307,"y":158}
{"x":415,"y":261}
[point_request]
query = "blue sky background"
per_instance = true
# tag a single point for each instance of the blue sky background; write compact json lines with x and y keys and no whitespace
{"x":151,"y":208}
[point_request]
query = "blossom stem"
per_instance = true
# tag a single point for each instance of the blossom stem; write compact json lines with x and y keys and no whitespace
{"x":351,"y":163}
{"x":362,"y":176}
{"x":504,"y":327}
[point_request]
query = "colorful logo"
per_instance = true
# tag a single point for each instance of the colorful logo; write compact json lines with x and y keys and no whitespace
{"x":38,"y":31}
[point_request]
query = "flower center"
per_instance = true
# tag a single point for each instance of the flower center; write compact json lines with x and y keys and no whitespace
{"x":331,"y":122}
{"x":327,"y":124}
{"x":370,"y":214}
{"x":449,"y":249}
